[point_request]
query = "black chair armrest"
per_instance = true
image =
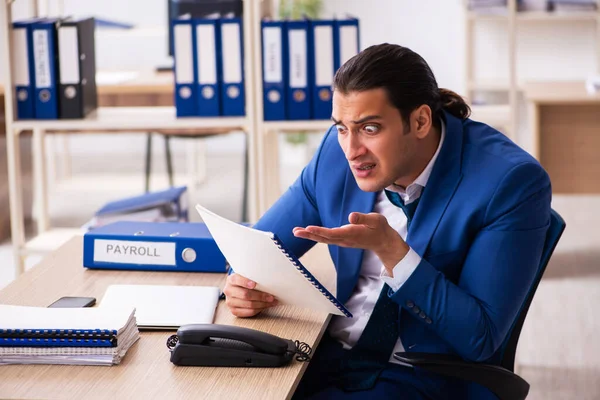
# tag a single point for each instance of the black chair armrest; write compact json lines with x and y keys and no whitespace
{"x":502,"y":382}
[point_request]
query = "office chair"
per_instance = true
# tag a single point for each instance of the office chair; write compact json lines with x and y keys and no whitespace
{"x":500,"y":379}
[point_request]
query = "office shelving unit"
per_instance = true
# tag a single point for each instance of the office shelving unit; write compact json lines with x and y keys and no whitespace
{"x":505,"y":115}
{"x":106,"y":119}
{"x":267,"y":131}
{"x":262,"y":135}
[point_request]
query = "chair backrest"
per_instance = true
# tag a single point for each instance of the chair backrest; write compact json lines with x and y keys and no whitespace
{"x":557,"y":226}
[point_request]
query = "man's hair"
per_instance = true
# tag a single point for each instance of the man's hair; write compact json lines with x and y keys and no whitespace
{"x":404,"y":75}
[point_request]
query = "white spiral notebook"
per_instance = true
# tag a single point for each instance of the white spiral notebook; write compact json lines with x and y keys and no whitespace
{"x":260,"y":256}
{"x":76,"y":336}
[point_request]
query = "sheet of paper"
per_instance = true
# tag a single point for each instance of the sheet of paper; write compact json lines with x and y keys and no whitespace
{"x":21,"y":317}
{"x":255,"y":255}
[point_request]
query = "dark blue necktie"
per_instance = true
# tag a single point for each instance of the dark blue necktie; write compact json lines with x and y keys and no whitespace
{"x":370,"y":355}
{"x":409,"y":209}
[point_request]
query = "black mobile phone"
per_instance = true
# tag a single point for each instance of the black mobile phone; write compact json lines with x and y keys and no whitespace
{"x":73,"y":302}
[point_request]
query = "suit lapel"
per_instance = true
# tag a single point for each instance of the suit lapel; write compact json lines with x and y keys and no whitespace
{"x":349,"y":259}
{"x":442,"y":184}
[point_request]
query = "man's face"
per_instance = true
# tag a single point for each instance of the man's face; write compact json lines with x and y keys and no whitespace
{"x":378,"y":147}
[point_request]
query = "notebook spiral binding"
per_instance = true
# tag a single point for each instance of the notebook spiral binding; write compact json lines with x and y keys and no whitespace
{"x":306,"y":273}
{"x":59,"y":331}
{"x":58,"y":337}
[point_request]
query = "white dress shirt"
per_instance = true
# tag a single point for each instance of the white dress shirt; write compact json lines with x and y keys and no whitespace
{"x":373,"y":274}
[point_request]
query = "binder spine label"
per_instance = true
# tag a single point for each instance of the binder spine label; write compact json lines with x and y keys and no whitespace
{"x":324,"y":56}
{"x":68,"y":48}
{"x":134,"y":252}
{"x":43,"y":80}
{"x":298,"y":63}
{"x":184,"y":63}
{"x":20,"y":57}
{"x":207,"y":55}
{"x":232,"y":53}
{"x":348,"y":43}
{"x":272,"y":55}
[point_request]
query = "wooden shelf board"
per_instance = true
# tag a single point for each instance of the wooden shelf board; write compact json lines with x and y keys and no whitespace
{"x":134,"y":119}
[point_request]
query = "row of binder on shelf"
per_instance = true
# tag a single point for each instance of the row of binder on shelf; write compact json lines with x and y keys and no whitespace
{"x":300,"y":59}
{"x":209,"y":70}
{"x":54,"y":67}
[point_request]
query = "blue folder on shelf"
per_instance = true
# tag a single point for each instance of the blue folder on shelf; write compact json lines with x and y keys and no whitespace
{"x":299,"y":60}
{"x":45,"y":57}
{"x":232,"y":68}
{"x":206,"y":58}
{"x":274,"y":69}
{"x":323,"y":67}
{"x":184,"y":45}
{"x":162,"y":246}
{"x":23,"y":67}
{"x":346,"y":40}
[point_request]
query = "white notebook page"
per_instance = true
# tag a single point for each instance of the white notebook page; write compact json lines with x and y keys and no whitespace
{"x":22,"y":317}
{"x":254,"y":255}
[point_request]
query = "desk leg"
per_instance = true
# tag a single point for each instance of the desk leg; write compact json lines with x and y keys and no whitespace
{"x":40,"y":189}
{"x":15,"y":195}
{"x":534,"y":124}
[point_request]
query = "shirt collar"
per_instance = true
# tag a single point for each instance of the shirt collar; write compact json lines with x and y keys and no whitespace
{"x":413,"y":191}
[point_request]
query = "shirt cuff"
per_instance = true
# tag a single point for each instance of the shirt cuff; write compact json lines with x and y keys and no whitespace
{"x":402,"y":271}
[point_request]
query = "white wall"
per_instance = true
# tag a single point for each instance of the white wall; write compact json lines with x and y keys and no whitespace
{"x":433,"y":28}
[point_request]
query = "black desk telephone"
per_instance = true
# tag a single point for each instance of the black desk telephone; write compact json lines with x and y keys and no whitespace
{"x":232,"y":346}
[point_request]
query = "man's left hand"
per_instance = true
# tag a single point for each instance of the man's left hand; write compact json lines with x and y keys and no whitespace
{"x":365,"y":231}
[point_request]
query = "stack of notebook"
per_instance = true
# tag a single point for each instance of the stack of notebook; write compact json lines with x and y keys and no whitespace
{"x":78,"y":336}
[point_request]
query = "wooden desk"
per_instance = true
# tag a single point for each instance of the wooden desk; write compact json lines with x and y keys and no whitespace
{"x":146,"y":371}
{"x":565,"y":123}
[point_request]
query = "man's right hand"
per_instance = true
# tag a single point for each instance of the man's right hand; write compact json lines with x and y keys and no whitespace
{"x":243,"y":300}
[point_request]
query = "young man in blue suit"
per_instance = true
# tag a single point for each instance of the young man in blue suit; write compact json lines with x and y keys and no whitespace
{"x":435,"y":224}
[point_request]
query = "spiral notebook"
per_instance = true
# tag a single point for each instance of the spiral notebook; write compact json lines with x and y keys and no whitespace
{"x":263,"y":258}
{"x":84,"y":336}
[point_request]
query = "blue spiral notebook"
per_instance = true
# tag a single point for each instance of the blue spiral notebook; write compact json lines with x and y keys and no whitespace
{"x":262,"y":257}
{"x":63,"y":327}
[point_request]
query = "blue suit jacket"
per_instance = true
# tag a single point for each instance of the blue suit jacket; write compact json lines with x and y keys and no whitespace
{"x":479,"y":228}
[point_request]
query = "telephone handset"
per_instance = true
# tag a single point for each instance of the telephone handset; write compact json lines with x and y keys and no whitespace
{"x":232,"y":346}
